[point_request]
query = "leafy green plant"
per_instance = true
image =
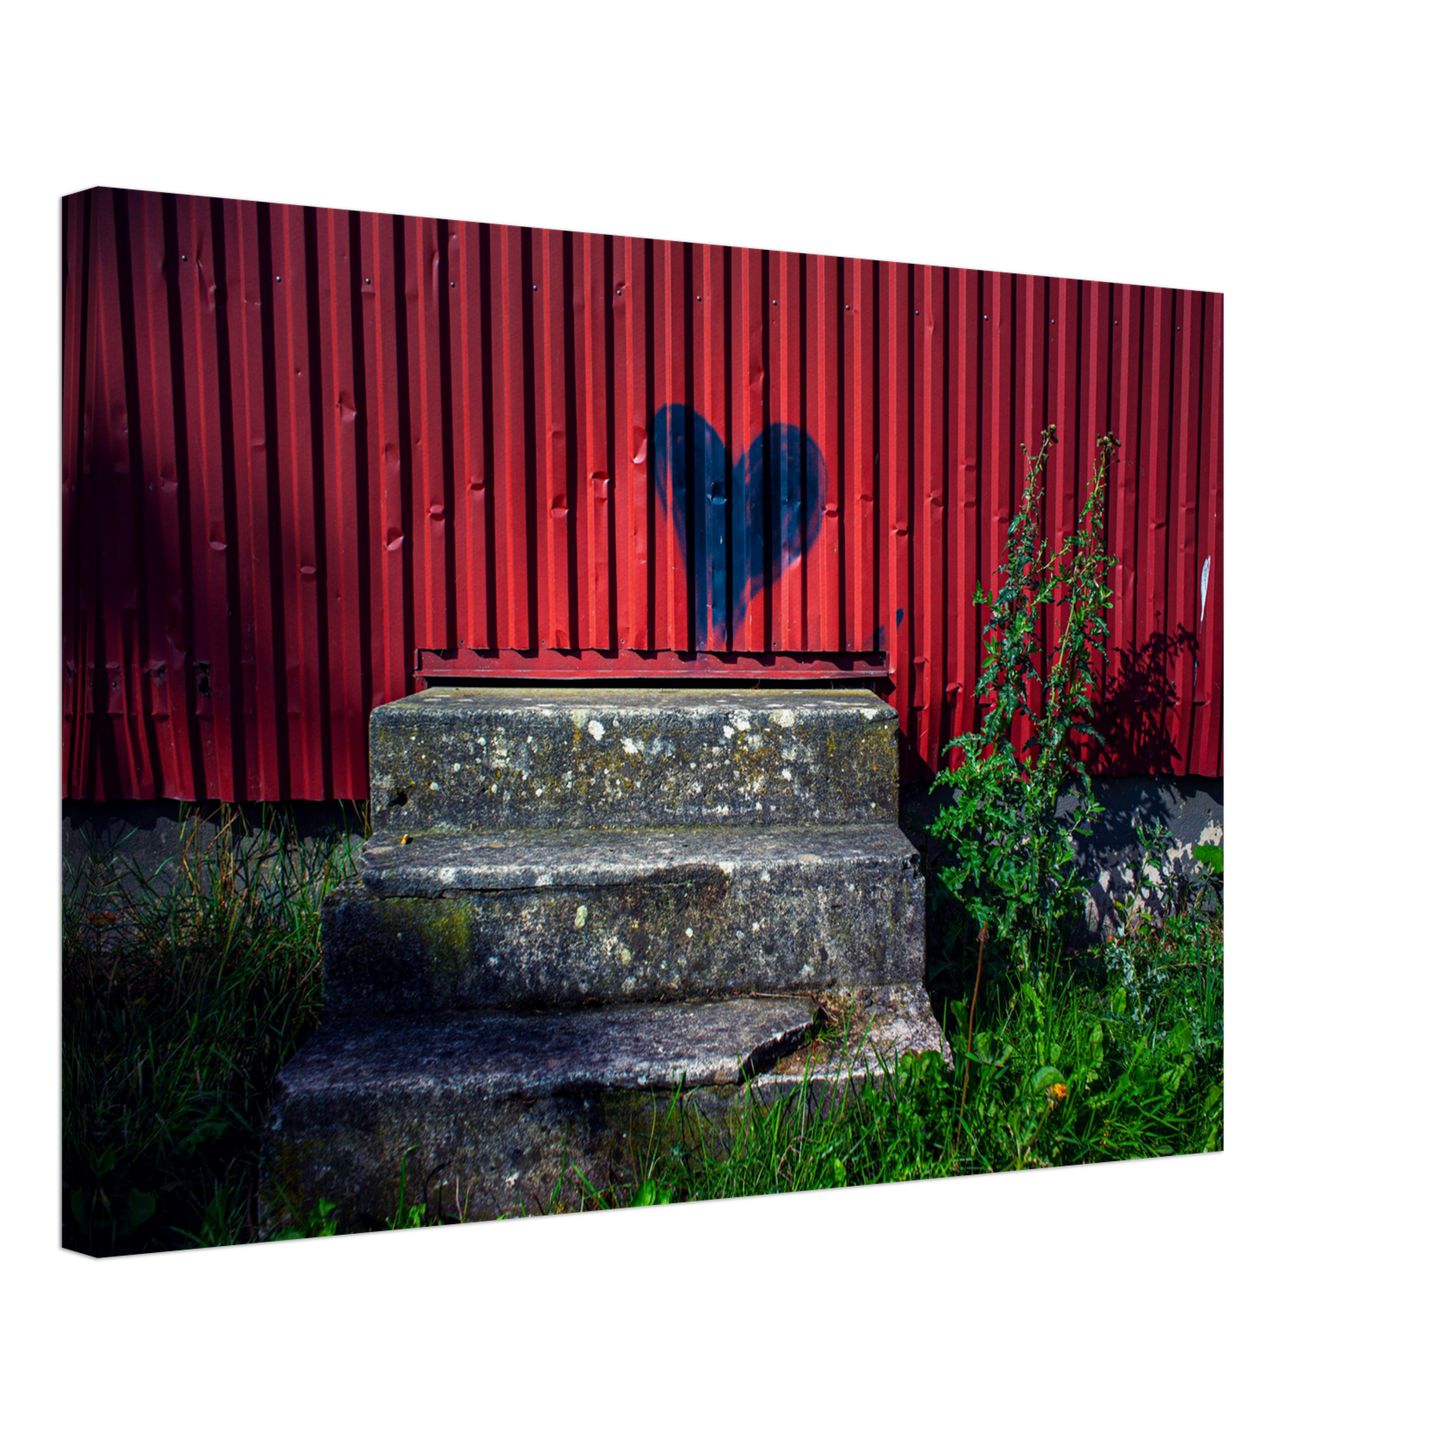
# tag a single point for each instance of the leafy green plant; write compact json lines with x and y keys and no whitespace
{"x":1210,"y":857}
{"x":1164,"y":887}
{"x":1164,"y":986}
{"x":320,"y":1223}
{"x":1010,"y":853}
{"x":1113,"y":1053}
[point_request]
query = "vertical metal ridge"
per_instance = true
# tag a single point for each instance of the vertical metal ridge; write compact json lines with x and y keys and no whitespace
{"x":554,"y":584}
{"x":895,"y":331}
{"x":150,"y":323}
{"x":1208,"y":757}
{"x":429,"y":510}
{"x":75,"y":227}
{"x":508,"y":444}
{"x":595,"y":482}
{"x":856,"y":416}
{"x":669,"y":286}
{"x":711,"y":620}
{"x":1127,"y":385}
{"x":262,"y":649}
{"x":789,"y":616}
{"x":631,"y":307}
{"x":334,"y":393}
{"x":965,"y":520}
{"x":931,"y":516}
{"x":824,"y":578}
{"x":745,"y":425}
{"x":123,"y":692}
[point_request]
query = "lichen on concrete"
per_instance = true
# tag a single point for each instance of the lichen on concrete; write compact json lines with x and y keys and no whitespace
{"x":461,"y":758}
{"x":568,"y":917}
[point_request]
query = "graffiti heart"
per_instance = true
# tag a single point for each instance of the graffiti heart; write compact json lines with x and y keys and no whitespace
{"x":750,"y":519}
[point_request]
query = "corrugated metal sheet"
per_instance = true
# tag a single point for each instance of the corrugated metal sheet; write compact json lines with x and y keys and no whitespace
{"x":308,"y":453}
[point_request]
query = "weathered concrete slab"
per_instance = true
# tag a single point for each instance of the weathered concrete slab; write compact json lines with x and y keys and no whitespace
{"x":460,"y":758}
{"x":536,"y":917}
{"x":495,"y":1112}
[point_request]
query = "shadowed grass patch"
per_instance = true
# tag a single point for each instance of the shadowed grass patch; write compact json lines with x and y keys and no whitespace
{"x":180,"y":1000}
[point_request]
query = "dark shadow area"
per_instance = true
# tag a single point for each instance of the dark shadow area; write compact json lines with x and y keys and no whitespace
{"x":1139,"y":708}
{"x":1190,"y":808}
{"x":146,"y":837}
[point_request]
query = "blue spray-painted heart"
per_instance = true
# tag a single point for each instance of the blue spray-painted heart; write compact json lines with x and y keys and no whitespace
{"x":777,"y":490}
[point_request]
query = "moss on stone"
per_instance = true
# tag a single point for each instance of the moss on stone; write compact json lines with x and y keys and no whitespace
{"x":440,"y":931}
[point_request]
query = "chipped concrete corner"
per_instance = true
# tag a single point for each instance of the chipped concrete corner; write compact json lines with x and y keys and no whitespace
{"x":498,"y":1114}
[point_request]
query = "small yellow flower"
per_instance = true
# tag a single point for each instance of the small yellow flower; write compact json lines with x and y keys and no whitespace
{"x":1059,"y":1091}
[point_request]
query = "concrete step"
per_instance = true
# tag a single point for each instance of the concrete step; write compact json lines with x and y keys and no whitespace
{"x":549,"y":917}
{"x":551,"y":757}
{"x":493,"y":1112}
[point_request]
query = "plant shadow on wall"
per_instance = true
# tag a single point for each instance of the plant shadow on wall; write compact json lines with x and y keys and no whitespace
{"x":1139,"y":716}
{"x":1138,"y":699}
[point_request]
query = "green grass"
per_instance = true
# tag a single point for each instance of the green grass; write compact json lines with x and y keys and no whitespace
{"x":1114,"y":1053}
{"x":180,"y":1003}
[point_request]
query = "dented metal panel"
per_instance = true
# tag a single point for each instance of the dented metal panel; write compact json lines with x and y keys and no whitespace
{"x":311,"y":457}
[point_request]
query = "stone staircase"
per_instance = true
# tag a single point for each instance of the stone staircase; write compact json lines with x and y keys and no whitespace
{"x":576,"y":900}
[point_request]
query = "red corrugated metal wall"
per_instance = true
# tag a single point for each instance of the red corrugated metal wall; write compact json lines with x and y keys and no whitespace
{"x":310,"y":454}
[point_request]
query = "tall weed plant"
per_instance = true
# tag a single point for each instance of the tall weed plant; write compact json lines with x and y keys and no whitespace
{"x":1010,"y":854}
